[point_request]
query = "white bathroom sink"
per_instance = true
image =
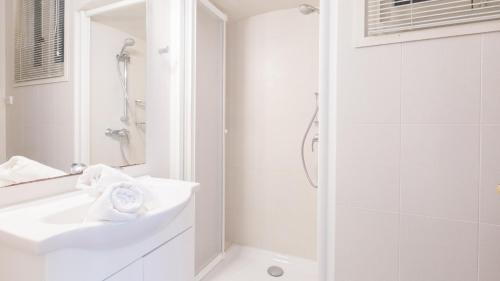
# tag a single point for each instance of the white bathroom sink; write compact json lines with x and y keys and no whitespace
{"x":59,"y":222}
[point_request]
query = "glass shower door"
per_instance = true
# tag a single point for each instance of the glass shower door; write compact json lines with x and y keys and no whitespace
{"x":209,"y":134}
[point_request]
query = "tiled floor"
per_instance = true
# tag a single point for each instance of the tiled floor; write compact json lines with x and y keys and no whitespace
{"x":250,"y":264}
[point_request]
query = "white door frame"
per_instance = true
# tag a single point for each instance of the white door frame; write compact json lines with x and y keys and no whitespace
{"x":328,"y":132}
{"x":189,"y":170}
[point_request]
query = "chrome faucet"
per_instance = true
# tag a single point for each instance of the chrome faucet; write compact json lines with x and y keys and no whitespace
{"x":121,"y":133}
{"x":77,"y":168}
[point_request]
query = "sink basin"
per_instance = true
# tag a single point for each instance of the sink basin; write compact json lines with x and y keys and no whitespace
{"x":59,"y":222}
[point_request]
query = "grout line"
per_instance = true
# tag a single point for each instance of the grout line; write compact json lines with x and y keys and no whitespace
{"x":490,"y":224}
{"x":344,"y":205}
{"x":400,"y":217}
{"x":480,"y":151}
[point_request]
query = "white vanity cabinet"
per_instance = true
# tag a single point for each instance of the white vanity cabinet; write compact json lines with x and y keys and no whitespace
{"x":133,"y":272}
{"x":39,"y":241}
{"x":171,"y":261}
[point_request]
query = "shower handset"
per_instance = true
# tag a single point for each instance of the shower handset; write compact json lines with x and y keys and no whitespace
{"x":314,"y":140}
{"x":124,"y":57}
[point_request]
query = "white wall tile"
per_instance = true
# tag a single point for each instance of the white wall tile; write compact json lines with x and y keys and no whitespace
{"x":367,"y":245}
{"x":441,"y":81}
{"x":437,"y":250}
{"x":369,"y":174}
{"x":490,"y":174}
{"x":489,"y":252}
{"x":370,"y":85}
{"x":490,"y":78}
{"x":438,"y":86}
{"x":440,"y":171}
{"x":271,"y":209}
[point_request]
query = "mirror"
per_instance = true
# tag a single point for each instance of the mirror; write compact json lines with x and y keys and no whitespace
{"x":73,"y":97}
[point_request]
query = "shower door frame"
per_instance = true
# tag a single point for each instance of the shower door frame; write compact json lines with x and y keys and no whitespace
{"x":329,"y":57}
{"x":328,"y":81}
{"x":189,"y":112}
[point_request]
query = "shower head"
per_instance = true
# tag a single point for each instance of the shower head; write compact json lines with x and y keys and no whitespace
{"x":307,"y":9}
{"x":129,"y":42}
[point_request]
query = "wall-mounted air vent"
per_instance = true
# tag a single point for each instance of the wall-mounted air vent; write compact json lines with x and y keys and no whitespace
{"x":395,"y":16}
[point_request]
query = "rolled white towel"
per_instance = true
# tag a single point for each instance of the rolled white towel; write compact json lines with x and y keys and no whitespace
{"x":97,"y":178}
{"x":127,"y":198}
{"x":122,"y":201}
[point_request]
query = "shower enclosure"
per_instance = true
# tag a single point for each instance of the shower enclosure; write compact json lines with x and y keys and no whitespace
{"x":209,"y":130}
{"x":270,"y":102}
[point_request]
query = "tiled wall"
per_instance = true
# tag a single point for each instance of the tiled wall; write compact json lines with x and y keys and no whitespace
{"x":418,"y":159}
{"x":272,"y":76}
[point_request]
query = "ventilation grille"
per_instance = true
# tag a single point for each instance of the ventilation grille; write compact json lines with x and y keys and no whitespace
{"x":39,"y":46}
{"x":394,"y":16}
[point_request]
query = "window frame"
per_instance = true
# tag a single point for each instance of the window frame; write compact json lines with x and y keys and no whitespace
{"x":362,"y":40}
{"x":67,"y":43}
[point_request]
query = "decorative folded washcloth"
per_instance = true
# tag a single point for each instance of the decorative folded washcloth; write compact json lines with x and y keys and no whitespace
{"x":122,"y":201}
{"x":95,"y":179}
{"x":119,"y":197}
{"x":21,"y":169}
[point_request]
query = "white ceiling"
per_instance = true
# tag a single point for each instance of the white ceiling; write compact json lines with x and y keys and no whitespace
{"x":238,"y":9}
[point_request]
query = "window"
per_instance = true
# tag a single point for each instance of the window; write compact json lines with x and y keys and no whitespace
{"x":396,"y":16}
{"x":40,"y":42}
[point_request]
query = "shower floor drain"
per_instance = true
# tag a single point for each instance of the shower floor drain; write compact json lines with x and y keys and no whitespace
{"x":275,"y":271}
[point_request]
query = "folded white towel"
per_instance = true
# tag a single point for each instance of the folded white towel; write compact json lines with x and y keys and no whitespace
{"x":122,"y":201}
{"x":97,"y":178}
{"x":21,"y":169}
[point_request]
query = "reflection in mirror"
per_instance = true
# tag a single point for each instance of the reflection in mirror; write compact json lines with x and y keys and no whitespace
{"x":43,"y":117}
{"x":117,"y":89}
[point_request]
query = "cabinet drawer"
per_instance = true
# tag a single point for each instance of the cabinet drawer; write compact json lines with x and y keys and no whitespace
{"x":133,"y":272}
{"x":173,"y":261}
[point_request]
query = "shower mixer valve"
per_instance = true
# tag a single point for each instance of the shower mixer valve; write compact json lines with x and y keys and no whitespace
{"x":122,"y":133}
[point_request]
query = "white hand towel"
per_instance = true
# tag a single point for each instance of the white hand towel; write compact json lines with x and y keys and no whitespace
{"x":21,"y":169}
{"x":97,"y":178}
{"x":122,"y":201}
